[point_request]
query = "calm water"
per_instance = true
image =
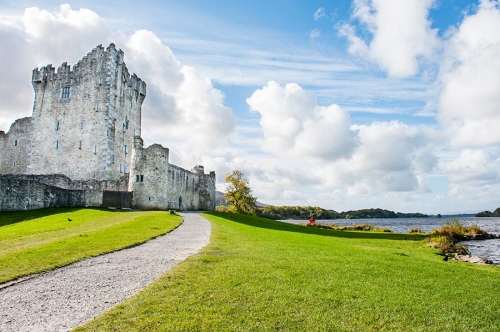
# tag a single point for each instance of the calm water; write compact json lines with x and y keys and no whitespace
{"x":489,"y":249}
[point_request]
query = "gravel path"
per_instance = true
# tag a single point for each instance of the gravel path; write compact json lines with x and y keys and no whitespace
{"x":62,"y":299}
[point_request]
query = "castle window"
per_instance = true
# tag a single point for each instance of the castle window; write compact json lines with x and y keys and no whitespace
{"x":14,"y":163}
{"x":65,"y":92}
{"x":96,"y":107}
{"x":58,"y":125}
{"x":15,"y":142}
{"x":121,"y":168}
{"x":130,"y":91}
{"x":80,"y":145}
{"x":126,"y":124}
{"x":125,"y":149}
{"x":139,"y":178}
{"x":107,"y":133}
{"x":94,"y":175}
{"x":80,"y":125}
{"x":149,"y":198}
{"x":95,"y":149}
{"x":130,"y":104}
{"x":100,"y":81}
{"x":57,"y":145}
{"x":124,"y":79}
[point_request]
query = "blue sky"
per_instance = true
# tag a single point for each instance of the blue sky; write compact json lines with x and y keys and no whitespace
{"x":344,"y":104}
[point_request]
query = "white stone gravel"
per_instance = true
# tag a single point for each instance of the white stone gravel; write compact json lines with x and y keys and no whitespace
{"x":62,"y":299}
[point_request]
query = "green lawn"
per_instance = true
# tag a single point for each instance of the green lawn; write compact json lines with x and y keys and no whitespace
{"x":262,"y":275}
{"x":39,"y":240}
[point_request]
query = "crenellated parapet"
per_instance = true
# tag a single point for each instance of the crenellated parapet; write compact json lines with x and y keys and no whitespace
{"x":99,"y":59}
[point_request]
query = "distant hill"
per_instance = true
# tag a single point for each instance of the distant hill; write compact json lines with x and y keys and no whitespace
{"x":219,"y":200}
{"x":495,"y":213}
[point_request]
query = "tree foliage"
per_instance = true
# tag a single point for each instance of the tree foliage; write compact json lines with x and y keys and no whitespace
{"x":239,"y":194}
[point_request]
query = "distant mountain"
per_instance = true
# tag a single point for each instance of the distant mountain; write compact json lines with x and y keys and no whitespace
{"x":219,"y":200}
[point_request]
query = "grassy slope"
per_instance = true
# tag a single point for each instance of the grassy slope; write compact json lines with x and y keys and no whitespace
{"x":40,"y":240}
{"x":259,"y":275}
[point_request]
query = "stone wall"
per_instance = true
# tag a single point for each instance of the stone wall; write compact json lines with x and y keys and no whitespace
{"x":64,"y":182}
{"x":14,"y":147}
{"x":85,"y":118}
{"x":157,"y":184}
{"x":17,"y":194}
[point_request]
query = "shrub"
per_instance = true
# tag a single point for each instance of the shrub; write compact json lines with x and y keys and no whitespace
{"x":415,"y":230}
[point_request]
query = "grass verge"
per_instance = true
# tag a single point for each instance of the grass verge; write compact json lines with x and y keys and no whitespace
{"x":262,"y":275}
{"x":40,"y":240}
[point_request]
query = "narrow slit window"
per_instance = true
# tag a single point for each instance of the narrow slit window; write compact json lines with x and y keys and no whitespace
{"x":57,"y":145}
{"x":58,"y":125}
{"x":137,"y":178}
{"x":121,"y":168}
{"x":107,"y":133}
{"x":130,"y":91}
{"x":113,"y":158}
{"x":96,"y":107}
{"x":130,"y":104}
{"x":142,"y":178}
{"x":65,"y":92}
{"x":80,"y":145}
{"x":15,"y":142}
{"x":125,"y":149}
{"x":14,"y":163}
{"x":95,"y":149}
{"x":80,"y":125}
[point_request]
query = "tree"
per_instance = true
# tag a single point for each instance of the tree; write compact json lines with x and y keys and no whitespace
{"x":239,"y":194}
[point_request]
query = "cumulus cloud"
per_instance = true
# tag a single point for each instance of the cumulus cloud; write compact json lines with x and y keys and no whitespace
{"x":294,"y":124}
{"x":469,"y":103}
{"x":399,"y":34}
{"x":184,"y":106}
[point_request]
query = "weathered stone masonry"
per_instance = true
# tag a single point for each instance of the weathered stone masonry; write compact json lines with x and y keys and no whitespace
{"x":86,"y":128}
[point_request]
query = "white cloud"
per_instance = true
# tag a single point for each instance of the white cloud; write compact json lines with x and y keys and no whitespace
{"x":182,"y":107}
{"x":294,"y":124}
{"x":314,"y":34}
{"x":469,"y":103}
{"x":319,"y":13}
{"x":400,"y":34}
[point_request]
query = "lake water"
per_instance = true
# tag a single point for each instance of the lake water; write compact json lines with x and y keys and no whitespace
{"x":489,"y":249}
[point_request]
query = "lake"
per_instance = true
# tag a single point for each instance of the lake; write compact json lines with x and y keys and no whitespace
{"x":489,"y":249}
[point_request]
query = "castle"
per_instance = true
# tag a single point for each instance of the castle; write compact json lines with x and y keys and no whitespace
{"x":82,"y":146}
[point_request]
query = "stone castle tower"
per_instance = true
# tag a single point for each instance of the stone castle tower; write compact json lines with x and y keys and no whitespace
{"x":85,"y":134}
{"x":85,"y":119}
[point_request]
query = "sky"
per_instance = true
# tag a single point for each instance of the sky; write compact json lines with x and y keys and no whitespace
{"x":344,"y":104}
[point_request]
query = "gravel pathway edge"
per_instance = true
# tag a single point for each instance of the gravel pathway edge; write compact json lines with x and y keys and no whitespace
{"x":65,"y":298}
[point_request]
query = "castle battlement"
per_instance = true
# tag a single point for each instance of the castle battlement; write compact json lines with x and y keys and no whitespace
{"x":97,"y":59}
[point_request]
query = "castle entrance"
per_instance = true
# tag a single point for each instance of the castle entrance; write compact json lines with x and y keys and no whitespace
{"x":117,"y":199}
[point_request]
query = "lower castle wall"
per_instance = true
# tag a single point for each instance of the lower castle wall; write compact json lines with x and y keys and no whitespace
{"x":19,"y":194}
{"x":64,"y":182}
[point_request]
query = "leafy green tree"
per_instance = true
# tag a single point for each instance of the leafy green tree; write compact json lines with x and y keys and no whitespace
{"x":239,"y":194}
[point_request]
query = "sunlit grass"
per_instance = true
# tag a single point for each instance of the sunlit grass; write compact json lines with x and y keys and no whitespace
{"x":40,"y":240}
{"x":263,"y":275}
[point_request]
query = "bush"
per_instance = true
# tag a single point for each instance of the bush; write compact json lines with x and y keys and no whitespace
{"x":415,"y":230}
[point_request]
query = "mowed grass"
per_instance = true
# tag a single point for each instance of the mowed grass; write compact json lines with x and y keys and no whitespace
{"x":40,"y":240}
{"x":262,"y":275}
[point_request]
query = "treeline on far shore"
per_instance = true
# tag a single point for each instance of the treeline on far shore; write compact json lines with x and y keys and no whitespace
{"x":306,"y":212}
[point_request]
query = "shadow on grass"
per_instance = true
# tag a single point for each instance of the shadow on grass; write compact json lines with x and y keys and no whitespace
{"x":283,"y":226}
{"x":13,"y":217}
